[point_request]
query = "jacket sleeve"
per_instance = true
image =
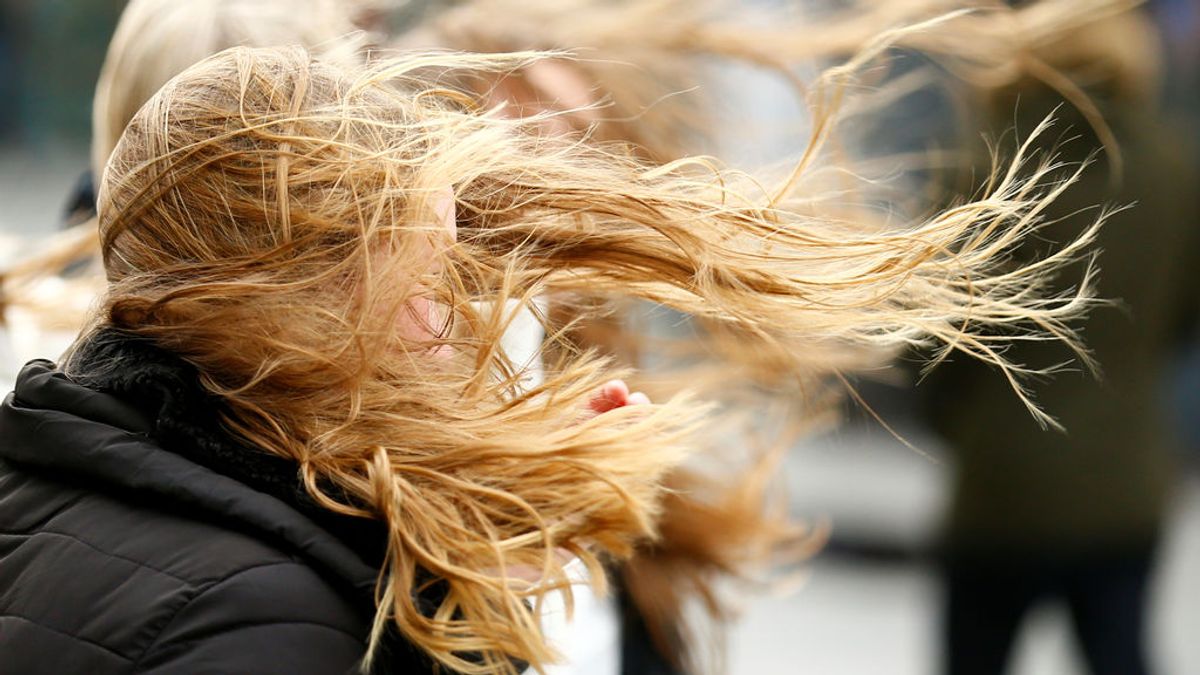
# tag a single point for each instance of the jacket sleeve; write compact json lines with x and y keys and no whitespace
{"x":278,"y":618}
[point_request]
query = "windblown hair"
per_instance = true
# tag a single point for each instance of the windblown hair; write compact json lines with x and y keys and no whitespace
{"x":290,"y":195}
{"x":270,"y":217}
{"x":156,"y":40}
{"x":639,"y":57}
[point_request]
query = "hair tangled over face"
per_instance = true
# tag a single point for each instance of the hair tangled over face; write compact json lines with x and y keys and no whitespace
{"x":274,"y":219}
{"x":296,"y":201}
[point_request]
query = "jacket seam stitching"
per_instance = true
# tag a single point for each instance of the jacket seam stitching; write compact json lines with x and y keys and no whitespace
{"x":98,"y":550}
{"x":65,"y":634}
{"x":71,"y":503}
{"x":199,"y":592}
{"x":284,"y":622}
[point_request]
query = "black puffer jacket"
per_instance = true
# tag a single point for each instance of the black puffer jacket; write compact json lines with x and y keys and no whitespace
{"x":119,"y":556}
{"x":137,"y":537}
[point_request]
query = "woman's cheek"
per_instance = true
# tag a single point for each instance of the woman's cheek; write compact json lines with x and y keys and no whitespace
{"x":421,"y":323}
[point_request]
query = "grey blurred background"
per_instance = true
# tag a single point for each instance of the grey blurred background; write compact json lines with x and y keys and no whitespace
{"x":872,"y":601}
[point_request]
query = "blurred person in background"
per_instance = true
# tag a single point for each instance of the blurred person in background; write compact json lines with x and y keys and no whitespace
{"x":1179,"y":22}
{"x":1076,"y":515}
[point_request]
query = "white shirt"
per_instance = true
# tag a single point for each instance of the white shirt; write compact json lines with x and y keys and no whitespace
{"x":590,"y":641}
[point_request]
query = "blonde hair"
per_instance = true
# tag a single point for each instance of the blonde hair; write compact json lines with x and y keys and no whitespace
{"x":640,"y":56}
{"x":157,"y":39}
{"x":293,"y":198}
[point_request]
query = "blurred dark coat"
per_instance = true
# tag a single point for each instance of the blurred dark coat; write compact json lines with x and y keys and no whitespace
{"x":1104,"y":483}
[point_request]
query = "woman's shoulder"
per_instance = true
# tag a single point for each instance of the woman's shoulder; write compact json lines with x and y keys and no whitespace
{"x":126,"y":581}
{"x":118,"y":552}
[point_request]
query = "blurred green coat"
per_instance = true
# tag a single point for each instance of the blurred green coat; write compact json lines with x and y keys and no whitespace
{"x":1104,"y":484}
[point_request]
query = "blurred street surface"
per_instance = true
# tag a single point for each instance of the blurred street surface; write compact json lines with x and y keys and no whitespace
{"x":870,"y":603}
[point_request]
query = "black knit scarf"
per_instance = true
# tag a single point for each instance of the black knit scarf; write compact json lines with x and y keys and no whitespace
{"x":188,"y":422}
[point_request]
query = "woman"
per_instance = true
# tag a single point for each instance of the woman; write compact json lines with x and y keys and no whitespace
{"x":289,"y":441}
